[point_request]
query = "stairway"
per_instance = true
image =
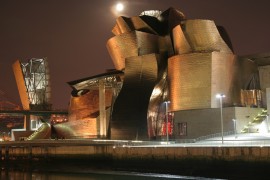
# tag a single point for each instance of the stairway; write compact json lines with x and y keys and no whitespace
{"x":250,"y":127}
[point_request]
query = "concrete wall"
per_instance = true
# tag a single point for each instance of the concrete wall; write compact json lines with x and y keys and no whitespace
{"x":202,"y":122}
{"x":244,"y":115}
{"x":132,"y":153}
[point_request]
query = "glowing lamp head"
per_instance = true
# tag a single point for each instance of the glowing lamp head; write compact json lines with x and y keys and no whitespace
{"x":220,"y":96}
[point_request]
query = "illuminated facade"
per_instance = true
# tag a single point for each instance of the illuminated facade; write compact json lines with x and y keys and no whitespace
{"x":90,"y":106}
{"x":33,"y":82}
{"x":168,"y":70}
{"x":167,"y":58}
{"x":173,"y":66}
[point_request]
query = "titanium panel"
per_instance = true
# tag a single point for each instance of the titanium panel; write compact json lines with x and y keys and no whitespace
{"x":190,"y":81}
{"x":129,"y":115}
{"x":181,"y":45}
{"x":81,"y":128}
{"x":122,"y":25}
{"x":19,"y":77}
{"x":195,"y":79}
{"x":87,"y":105}
{"x":84,"y":115}
{"x":146,"y":24}
{"x":223,"y":79}
{"x":116,"y":30}
{"x":203,"y":36}
{"x":171,"y":18}
{"x":156,"y":108}
{"x":131,"y":44}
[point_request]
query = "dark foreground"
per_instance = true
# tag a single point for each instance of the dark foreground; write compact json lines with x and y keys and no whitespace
{"x":103,"y":169}
{"x":86,"y":157}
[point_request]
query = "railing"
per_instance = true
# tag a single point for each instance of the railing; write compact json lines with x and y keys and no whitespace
{"x":214,"y":135}
{"x":204,"y":137}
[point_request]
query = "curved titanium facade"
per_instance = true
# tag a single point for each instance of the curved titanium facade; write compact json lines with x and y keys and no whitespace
{"x":200,"y":65}
{"x":196,"y":78}
{"x":131,"y":44}
{"x":203,"y":66}
{"x":130,"y":108}
{"x":168,"y":64}
{"x":90,"y":106}
{"x":83,"y":117}
{"x":141,"y":47}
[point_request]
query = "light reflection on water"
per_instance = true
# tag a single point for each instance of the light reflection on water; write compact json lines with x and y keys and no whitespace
{"x":106,"y":175}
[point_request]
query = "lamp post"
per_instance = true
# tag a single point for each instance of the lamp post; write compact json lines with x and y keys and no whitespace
{"x":234,"y":126}
{"x":166,"y":111}
{"x":220,"y":96}
{"x":267,"y":123}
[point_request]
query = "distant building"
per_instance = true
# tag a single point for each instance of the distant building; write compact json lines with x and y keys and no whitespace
{"x":33,"y":82}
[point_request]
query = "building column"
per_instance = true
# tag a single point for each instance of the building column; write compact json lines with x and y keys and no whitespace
{"x":27,"y":123}
{"x":102,"y":110}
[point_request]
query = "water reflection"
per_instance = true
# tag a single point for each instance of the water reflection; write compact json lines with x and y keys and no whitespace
{"x":21,"y":175}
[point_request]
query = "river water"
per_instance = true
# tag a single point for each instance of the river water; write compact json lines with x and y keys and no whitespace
{"x":97,"y":175}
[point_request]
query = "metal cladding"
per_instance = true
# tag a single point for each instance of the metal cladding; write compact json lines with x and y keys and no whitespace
{"x":167,"y":64}
{"x":90,"y":106}
{"x":203,"y":66}
{"x":130,"y":44}
{"x":84,"y":115}
{"x":140,"y":48}
{"x":87,"y":105}
{"x":196,"y":62}
{"x":196,"y":78}
{"x":130,"y":108}
{"x":33,"y":82}
{"x":199,"y":36}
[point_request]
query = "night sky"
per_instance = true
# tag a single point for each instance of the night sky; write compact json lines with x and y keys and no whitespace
{"x":72,"y":34}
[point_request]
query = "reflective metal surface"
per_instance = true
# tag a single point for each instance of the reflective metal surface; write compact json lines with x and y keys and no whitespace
{"x":167,"y":59}
{"x":200,"y":64}
{"x":129,"y":116}
{"x":203,"y":35}
{"x":130,"y":44}
{"x":43,"y":132}
{"x":90,"y":106}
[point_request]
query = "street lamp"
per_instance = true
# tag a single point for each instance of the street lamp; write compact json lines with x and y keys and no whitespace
{"x":220,"y":96}
{"x":166,"y":116}
{"x":234,"y":126}
{"x":267,"y":123}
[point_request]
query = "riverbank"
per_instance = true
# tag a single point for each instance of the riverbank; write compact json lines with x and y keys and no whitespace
{"x":192,"y":167}
{"x":211,"y":162}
